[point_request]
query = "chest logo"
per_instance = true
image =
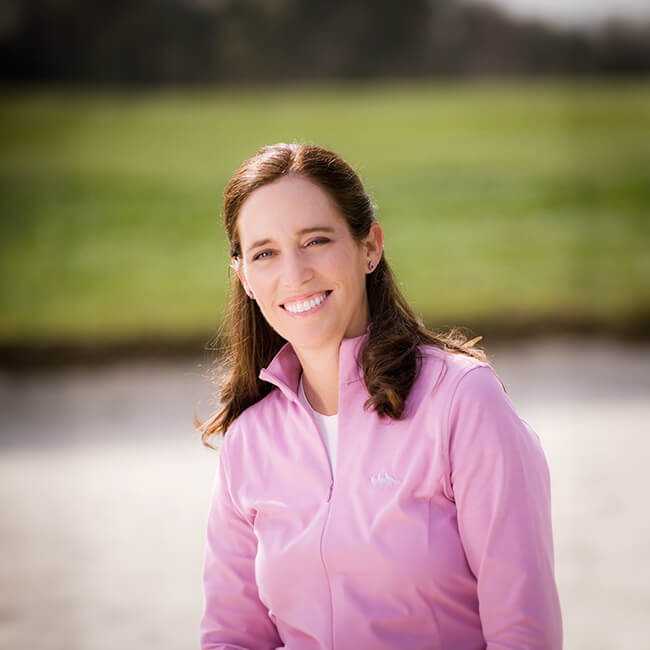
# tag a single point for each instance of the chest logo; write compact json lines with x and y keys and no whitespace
{"x":383,"y":478}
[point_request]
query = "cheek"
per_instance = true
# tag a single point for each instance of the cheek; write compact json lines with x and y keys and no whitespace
{"x":259,"y":293}
{"x":263,"y":283}
{"x":259,"y":280}
{"x":354,"y":270}
{"x":345,"y":261}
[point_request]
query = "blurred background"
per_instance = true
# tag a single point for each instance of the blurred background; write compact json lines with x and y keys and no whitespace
{"x":506,"y":145}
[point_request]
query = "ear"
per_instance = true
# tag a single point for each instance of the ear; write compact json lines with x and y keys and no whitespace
{"x":373,"y":245}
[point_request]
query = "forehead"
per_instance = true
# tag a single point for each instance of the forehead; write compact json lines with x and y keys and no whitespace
{"x":285,"y":206}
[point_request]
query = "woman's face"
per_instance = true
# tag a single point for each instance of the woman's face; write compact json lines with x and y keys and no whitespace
{"x":304,"y":269}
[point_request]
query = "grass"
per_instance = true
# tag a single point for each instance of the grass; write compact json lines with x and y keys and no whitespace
{"x":520,"y":199}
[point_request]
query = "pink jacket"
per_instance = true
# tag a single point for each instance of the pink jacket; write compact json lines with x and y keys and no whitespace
{"x":435,"y":532}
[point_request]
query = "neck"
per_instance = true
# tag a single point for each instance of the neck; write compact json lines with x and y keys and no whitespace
{"x":320,"y":378}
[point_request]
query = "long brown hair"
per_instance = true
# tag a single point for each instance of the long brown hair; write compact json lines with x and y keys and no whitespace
{"x":248,"y":343}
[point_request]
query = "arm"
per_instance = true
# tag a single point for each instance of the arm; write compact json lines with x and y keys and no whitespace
{"x":234,"y":618}
{"x":501,"y":486}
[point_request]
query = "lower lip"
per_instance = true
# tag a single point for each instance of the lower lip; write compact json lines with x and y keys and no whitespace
{"x":309,"y":312}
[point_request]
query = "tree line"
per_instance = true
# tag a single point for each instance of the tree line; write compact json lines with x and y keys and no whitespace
{"x":198,"y":41}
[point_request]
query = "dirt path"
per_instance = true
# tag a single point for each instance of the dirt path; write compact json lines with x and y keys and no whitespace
{"x":104,"y":490}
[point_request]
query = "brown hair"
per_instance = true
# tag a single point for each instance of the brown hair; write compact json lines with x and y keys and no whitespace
{"x":248,"y":343}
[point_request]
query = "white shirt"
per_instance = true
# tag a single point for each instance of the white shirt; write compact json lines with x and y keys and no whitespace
{"x":327,"y":426}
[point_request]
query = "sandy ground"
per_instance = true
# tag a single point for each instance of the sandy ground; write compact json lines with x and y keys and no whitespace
{"x":104,"y":490}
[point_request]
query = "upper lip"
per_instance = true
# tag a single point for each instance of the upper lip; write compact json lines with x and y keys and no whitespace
{"x":304,"y":296}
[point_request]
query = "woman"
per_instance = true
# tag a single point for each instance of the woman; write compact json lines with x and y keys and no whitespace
{"x":375,"y":488}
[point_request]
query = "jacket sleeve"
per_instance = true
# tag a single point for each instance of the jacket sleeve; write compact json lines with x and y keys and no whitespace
{"x":501,"y":486}
{"x":233,"y":618}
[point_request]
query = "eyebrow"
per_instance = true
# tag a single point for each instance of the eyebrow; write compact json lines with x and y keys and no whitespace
{"x":304,"y":231}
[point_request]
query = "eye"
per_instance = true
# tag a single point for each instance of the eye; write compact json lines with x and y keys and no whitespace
{"x":261,"y":255}
{"x":318,"y":240}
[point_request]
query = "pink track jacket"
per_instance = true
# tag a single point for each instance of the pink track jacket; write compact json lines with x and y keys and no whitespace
{"x":435,"y":532}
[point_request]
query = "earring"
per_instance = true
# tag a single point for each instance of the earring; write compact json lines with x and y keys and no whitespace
{"x":371,"y":266}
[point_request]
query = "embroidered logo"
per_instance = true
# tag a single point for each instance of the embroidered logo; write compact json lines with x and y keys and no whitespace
{"x":383,"y":478}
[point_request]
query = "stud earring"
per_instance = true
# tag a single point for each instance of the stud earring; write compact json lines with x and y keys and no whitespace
{"x":371,"y":266}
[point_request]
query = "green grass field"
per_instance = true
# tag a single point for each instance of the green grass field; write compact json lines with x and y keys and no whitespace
{"x":525,"y":200}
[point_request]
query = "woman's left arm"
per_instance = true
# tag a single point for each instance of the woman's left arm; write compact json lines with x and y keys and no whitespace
{"x":501,"y":486}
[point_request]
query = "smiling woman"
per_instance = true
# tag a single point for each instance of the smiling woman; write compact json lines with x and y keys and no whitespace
{"x":306,"y":272}
{"x":375,"y":488}
{"x":313,"y":188}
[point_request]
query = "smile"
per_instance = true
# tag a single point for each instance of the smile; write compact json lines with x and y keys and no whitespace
{"x":302,"y":306}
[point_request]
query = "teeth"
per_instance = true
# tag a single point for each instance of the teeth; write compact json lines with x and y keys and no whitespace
{"x":299,"y":307}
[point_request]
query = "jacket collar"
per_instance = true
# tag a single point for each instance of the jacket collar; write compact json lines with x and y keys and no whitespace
{"x":284,"y":369}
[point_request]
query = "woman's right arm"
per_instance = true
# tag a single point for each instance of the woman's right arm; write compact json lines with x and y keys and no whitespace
{"x":233,"y":618}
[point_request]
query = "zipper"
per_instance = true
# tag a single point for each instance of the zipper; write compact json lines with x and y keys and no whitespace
{"x":323,"y":447}
{"x":327,"y":573}
{"x":327,"y":518}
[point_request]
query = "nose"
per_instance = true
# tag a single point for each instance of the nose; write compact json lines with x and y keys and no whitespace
{"x":295,"y":270}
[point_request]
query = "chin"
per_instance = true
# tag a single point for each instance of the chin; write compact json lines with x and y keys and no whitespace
{"x":315,"y":339}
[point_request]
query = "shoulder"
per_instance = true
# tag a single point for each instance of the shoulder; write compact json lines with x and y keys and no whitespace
{"x":480,"y":412}
{"x":472,"y":384}
{"x":438,"y":375}
{"x":253,"y":424}
{"x":453,"y":361}
{"x":445,"y":371}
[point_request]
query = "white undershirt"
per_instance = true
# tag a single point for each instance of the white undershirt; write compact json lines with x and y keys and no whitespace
{"x":327,"y":426}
